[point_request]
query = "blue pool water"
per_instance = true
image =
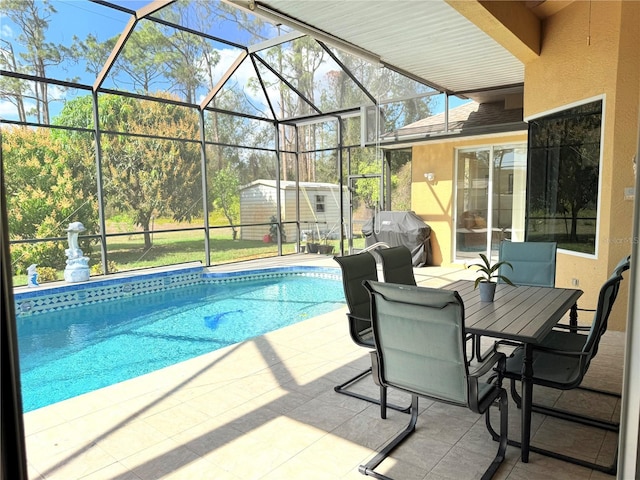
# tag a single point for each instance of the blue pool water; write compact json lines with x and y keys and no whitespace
{"x":74,"y":351}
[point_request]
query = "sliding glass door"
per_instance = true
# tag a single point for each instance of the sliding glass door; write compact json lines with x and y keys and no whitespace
{"x":490,"y":199}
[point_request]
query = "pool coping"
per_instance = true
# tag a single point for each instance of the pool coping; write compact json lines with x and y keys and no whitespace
{"x":61,"y":295}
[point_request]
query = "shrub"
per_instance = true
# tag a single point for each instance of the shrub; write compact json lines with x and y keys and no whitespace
{"x":47,"y":274}
{"x":50,"y":182}
{"x":97,"y":269}
{"x":50,"y":253}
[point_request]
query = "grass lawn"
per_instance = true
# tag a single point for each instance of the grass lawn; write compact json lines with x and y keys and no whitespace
{"x":127,"y":252}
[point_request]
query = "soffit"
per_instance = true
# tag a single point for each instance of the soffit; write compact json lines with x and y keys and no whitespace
{"x":427,"y":39}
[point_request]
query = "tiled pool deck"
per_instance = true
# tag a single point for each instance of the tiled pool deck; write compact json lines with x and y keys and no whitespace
{"x":266,"y":409}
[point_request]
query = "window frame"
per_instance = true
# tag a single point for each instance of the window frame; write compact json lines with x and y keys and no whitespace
{"x":598,"y":199}
{"x":491,"y":148}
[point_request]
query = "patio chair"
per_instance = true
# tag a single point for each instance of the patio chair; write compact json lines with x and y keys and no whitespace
{"x":560,"y":337}
{"x":397,"y":265}
{"x":532,"y":264}
{"x":565,"y":337}
{"x":355,"y":269}
{"x":420,"y":349}
{"x":562,"y":360}
{"x":622,"y":266}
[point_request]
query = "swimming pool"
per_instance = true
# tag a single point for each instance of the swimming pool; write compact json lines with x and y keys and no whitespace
{"x":73,"y":351}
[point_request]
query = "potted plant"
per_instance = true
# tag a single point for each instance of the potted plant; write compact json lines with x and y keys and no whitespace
{"x":273,"y":231}
{"x":325,"y":248}
{"x":312,"y":245}
{"x":489,"y":275}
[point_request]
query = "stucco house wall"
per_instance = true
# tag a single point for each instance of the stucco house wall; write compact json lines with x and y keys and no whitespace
{"x":589,"y":50}
{"x":434,"y":201}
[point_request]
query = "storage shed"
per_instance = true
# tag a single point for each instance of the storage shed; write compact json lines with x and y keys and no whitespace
{"x":319,"y":208}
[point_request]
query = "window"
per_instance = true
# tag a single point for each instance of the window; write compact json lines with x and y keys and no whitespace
{"x":563,"y":172}
{"x":320,"y":203}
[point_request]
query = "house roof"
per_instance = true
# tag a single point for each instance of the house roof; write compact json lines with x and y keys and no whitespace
{"x":286,"y":185}
{"x":469,"y":119}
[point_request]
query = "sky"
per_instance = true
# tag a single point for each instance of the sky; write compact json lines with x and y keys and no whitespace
{"x":79,"y":18}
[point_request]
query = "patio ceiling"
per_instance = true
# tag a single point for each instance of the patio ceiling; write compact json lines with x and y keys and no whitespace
{"x":426,"y":40}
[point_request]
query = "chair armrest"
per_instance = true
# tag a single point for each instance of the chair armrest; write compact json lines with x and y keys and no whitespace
{"x":562,"y":353}
{"x":487,"y":364}
{"x":571,"y":366}
{"x":579,"y":328}
{"x":477,"y":404}
{"x":375,"y":368}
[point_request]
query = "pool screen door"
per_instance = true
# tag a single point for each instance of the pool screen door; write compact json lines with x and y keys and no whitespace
{"x":365,"y":192}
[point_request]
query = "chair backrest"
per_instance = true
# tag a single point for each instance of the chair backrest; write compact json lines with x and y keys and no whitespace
{"x":419,"y":340}
{"x":609,"y":296}
{"x":397,"y":265}
{"x":622,"y":266}
{"x":533,"y":263}
{"x":356,"y":269}
{"x":606,"y":299}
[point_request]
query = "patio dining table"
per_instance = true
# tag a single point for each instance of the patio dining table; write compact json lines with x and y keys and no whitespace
{"x":521,"y":314}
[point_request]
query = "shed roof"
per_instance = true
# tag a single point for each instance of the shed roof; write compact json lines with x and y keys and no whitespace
{"x":287,"y":184}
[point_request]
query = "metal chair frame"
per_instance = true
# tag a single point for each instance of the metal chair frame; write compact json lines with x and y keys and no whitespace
{"x":477,"y":397}
{"x":518,"y":254}
{"x":355,"y":269}
{"x":580,"y":350}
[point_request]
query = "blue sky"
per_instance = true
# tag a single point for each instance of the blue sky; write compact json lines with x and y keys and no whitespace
{"x":80,"y":18}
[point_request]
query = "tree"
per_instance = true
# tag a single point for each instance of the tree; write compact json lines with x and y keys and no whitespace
{"x":140,"y":65}
{"x":298,"y":63}
{"x":12,"y":89}
{"x":564,"y":152}
{"x":577,"y":183}
{"x":147,"y":175}
{"x":49,"y":186}
{"x":91,"y":52}
{"x":224,"y":188}
{"x":32,"y":18}
{"x":401,"y":188}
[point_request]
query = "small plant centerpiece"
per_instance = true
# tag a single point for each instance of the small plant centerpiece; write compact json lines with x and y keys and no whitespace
{"x":489,"y":275}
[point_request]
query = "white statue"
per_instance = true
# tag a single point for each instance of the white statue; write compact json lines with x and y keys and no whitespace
{"x":77,"y":269}
{"x":72,"y":237}
{"x":32,"y":276}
